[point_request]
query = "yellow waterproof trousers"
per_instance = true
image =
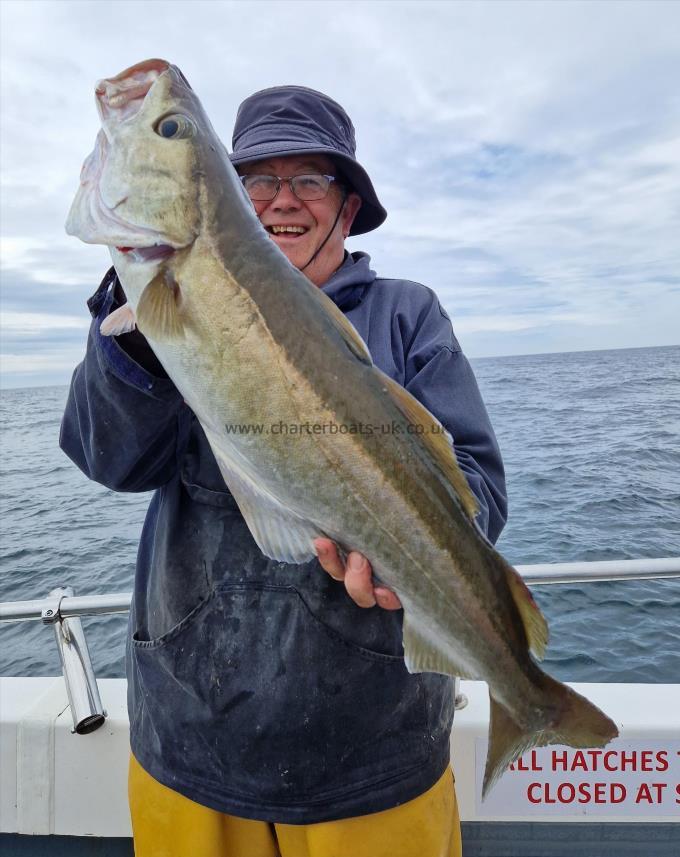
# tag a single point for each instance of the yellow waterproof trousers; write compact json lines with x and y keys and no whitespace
{"x":167,"y":824}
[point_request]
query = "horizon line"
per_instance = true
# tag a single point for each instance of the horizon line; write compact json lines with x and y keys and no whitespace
{"x":4,"y":386}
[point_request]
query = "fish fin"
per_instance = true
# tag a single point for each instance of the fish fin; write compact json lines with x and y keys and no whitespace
{"x":121,"y":320}
{"x":507,"y":742}
{"x":534,"y":622}
{"x":158,"y":313}
{"x":437,"y":441}
{"x":346,"y":329}
{"x":575,"y":722}
{"x":421,"y":656}
{"x":352,"y":339}
{"x":279,"y":533}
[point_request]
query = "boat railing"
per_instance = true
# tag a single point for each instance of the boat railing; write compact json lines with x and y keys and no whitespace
{"x":62,"y":609}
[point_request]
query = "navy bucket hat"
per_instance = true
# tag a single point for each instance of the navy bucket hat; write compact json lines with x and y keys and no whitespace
{"x":295,"y":120}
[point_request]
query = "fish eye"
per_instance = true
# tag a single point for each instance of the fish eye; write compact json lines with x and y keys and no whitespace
{"x":175,"y":127}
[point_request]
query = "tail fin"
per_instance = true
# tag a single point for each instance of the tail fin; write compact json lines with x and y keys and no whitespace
{"x":579,"y":724}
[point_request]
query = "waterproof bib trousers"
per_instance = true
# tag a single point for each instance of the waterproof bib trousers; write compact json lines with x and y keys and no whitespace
{"x":167,"y":824}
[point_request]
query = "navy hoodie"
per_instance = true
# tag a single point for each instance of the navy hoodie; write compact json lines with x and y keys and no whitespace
{"x":255,"y":687}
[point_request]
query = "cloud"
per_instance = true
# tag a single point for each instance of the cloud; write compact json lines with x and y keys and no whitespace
{"x":52,"y":364}
{"x":34,"y":323}
{"x":528,"y":153}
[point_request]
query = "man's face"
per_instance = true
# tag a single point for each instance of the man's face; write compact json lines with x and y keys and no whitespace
{"x":314,"y":218}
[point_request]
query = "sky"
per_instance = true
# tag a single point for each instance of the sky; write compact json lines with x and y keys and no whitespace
{"x":528,"y":154}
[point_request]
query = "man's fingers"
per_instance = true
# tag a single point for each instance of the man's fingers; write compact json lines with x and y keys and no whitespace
{"x":387,"y":599}
{"x":358,"y":576}
{"x":329,"y":558}
{"x":359,"y":580}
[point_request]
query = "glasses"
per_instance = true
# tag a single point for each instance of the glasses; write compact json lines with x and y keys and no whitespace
{"x":305,"y":187}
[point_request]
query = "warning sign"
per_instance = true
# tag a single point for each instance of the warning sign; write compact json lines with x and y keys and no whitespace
{"x":626,"y":778}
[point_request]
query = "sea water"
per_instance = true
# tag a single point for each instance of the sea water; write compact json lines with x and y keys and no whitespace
{"x":591,"y":444}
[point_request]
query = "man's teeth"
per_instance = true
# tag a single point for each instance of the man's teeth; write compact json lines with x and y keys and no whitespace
{"x":277,"y":229}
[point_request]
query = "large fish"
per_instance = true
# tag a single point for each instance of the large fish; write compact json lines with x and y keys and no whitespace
{"x":248,"y":340}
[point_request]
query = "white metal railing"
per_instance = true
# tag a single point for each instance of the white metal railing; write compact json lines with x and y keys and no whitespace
{"x":535,"y":575}
{"x":593,"y":572}
{"x":62,"y":609}
{"x":68,"y":607}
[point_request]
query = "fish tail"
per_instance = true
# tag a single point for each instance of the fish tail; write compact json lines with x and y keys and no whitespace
{"x":573,"y":720}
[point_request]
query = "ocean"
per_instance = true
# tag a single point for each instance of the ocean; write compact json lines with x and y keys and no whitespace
{"x":591,"y":444}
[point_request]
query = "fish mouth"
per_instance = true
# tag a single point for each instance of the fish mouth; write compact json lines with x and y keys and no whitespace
{"x":121,"y":97}
{"x":142,"y":255}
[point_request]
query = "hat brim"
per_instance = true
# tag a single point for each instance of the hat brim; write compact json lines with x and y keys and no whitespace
{"x":370,"y":215}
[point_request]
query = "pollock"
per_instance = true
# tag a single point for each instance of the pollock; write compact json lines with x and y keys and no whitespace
{"x":249,"y":341}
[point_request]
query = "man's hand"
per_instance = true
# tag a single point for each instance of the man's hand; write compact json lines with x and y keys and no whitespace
{"x":357,"y":576}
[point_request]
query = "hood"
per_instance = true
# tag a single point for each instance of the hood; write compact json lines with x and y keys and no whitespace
{"x":349,"y":284}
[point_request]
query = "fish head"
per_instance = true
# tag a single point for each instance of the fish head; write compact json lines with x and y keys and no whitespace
{"x":139,"y":189}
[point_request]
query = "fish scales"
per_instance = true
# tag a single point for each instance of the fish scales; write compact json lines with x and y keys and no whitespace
{"x":298,"y":392}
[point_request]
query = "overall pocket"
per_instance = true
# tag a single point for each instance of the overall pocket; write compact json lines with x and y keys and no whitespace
{"x":254,"y":695}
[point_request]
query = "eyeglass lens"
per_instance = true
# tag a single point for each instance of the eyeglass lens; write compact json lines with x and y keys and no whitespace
{"x":306,"y":187}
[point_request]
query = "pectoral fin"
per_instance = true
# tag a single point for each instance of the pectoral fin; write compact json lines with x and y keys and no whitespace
{"x":158,"y":312}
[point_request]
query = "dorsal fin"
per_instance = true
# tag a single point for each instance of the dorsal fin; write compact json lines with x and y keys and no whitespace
{"x":345,"y":328}
{"x":354,"y":342}
{"x":535,"y":626}
{"x":435,"y":439}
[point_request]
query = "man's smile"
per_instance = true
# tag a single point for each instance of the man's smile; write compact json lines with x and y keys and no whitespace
{"x":287,"y":233}
{"x":281,"y":229}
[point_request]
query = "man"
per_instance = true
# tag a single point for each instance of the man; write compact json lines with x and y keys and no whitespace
{"x":270,"y":709}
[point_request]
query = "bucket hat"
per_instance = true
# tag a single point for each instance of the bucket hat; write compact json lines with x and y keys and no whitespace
{"x":295,"y":120}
